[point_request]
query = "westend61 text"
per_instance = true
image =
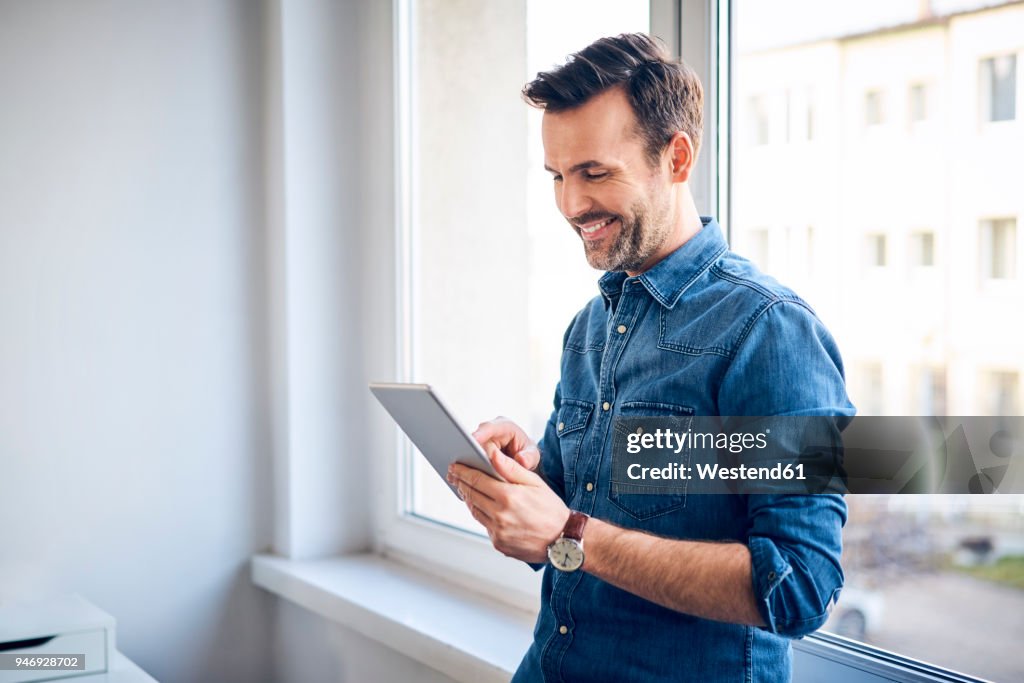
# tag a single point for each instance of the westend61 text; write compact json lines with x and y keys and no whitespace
{"x":707,"y":472}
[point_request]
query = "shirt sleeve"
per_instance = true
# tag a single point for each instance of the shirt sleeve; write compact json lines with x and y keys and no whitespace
{"x":788,"y":364}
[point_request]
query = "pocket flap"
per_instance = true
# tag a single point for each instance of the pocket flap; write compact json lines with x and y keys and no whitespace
{"x":573,"y":415}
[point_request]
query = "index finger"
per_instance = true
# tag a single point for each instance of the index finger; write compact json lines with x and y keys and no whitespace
{"x":499,"y":431}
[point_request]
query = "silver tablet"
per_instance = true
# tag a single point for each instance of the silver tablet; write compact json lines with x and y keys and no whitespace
{"x":432,"y":427}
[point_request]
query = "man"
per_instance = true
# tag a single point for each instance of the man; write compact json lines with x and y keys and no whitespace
{"x":658,"y":587}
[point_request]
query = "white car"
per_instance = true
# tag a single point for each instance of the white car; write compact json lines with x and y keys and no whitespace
{"x":857,"y":613}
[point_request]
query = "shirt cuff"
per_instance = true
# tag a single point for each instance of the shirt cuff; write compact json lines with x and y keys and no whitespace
{"x":768,"y":570}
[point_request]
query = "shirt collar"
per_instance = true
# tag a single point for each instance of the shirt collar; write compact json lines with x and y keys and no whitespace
{"x":671,"y":276}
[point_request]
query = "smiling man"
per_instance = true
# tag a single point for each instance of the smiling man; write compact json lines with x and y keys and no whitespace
{"x":659,"y":587}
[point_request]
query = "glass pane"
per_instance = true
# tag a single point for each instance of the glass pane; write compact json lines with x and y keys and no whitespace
{"x":938,"y":578}
{"x":490,"y":248}
{"x":918,"y":103}
{"x":999,"y":76}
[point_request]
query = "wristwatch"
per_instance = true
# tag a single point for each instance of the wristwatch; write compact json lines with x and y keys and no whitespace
{"x":566,"y":553}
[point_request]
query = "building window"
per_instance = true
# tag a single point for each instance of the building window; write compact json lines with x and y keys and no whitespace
{"x":760,"y":120}
{"x":1001,"y":392}
{"x":922,"y":249}
{"x":869,"y":400}
{"x":929,"y":387}
{"x":918,"y":103}
{"x":799,"y":115}
{"x":757,"y":247}
{"x":999,"y":249}
{"x":812,"y":243}
{"x":873,"y":114}
{"x":810,"y":118}
{"x":998,"y":82}
{"x":875,"y":250}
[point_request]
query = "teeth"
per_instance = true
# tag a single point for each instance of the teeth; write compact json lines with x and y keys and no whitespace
{"x":597,"y":227}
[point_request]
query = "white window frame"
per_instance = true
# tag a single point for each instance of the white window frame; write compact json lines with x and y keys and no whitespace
{"x":463,"y":557}
{"x":704,"y":29}
{"x":985,"y":107}
{"x":986,"y":251}
{"x":925,"y":89}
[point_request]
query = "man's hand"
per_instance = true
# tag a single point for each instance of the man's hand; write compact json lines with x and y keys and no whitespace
{"x":506,"y":436}
{"x":522,"y":514}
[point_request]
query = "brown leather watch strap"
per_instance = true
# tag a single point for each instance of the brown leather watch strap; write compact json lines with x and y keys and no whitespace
{"x":574,"y":527}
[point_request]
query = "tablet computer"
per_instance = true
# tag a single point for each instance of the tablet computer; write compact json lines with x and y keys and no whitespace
{"x":431,"y":426}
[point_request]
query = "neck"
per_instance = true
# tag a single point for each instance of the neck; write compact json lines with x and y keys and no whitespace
{"x":685,"y":224}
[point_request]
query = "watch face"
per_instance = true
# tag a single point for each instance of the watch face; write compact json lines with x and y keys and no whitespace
{"x":566,"y":554}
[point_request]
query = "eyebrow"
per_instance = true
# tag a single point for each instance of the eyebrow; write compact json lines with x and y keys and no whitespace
{"x":582,"y":166}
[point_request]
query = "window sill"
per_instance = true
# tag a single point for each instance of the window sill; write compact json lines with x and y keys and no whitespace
{"x":460,"y":633}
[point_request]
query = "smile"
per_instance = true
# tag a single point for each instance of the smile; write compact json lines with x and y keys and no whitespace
{"x":591,"y":231}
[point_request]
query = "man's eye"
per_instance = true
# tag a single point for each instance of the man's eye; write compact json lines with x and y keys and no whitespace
{"x":594,"y":176}
{"x":557,"y":178}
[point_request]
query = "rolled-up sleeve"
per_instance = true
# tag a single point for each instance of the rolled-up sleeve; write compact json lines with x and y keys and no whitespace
{"x":795,"y":544}
{"x":788,"y":364}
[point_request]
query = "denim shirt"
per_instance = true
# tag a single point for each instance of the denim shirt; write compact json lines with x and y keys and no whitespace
{"x":703,"y":332}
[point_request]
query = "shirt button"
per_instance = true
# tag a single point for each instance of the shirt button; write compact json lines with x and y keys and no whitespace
{"x":639,"y":430}
{"x":563,"y":629}
{"x":621,"y":329}
{"x":561,"y":426}
{"x":771,"y":576}
{"x":590,"y":486}
{"x":606,"y":405}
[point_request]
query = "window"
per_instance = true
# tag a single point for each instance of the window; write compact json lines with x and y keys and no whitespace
{"x":811,"y":248}
{"x":929,"y":386}
{"x":1001,"y":392}
{"x":922,"y":249}
{"x":760,"y":120}
{"x":873,"y":113}
{"x":799,"y":115}
{"x":875,"y":250}
{"x":918,"y":102}
{"x":868,"y":396}
{"x":482,"y":228}
{"x":905,"y":589}
{"x":998,"y":81}
{"x":756,"y":249}
{"x":952,"y":348}
{"x":999,"y":249}
{"x":809,"y":118}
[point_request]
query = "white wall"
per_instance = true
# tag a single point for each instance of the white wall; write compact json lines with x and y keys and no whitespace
{"x":134,"y":456}
{"x":142,"y":181}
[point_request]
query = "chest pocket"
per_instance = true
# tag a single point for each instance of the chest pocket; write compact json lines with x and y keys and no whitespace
{"x":573,"y":417}
{"x":644,"y":506}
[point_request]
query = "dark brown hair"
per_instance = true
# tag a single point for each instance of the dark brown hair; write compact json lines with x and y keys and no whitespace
{"x":665,"y":93}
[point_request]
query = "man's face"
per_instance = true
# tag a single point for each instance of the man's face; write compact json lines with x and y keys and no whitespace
{"x":605,"y":187}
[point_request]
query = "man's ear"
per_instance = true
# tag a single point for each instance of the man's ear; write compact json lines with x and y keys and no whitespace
{"x":681,"y":157}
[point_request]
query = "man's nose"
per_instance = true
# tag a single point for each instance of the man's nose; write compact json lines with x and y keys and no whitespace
{"x":574,"y":199}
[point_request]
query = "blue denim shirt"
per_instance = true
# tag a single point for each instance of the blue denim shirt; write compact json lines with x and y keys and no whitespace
{"x":703,"y":332}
